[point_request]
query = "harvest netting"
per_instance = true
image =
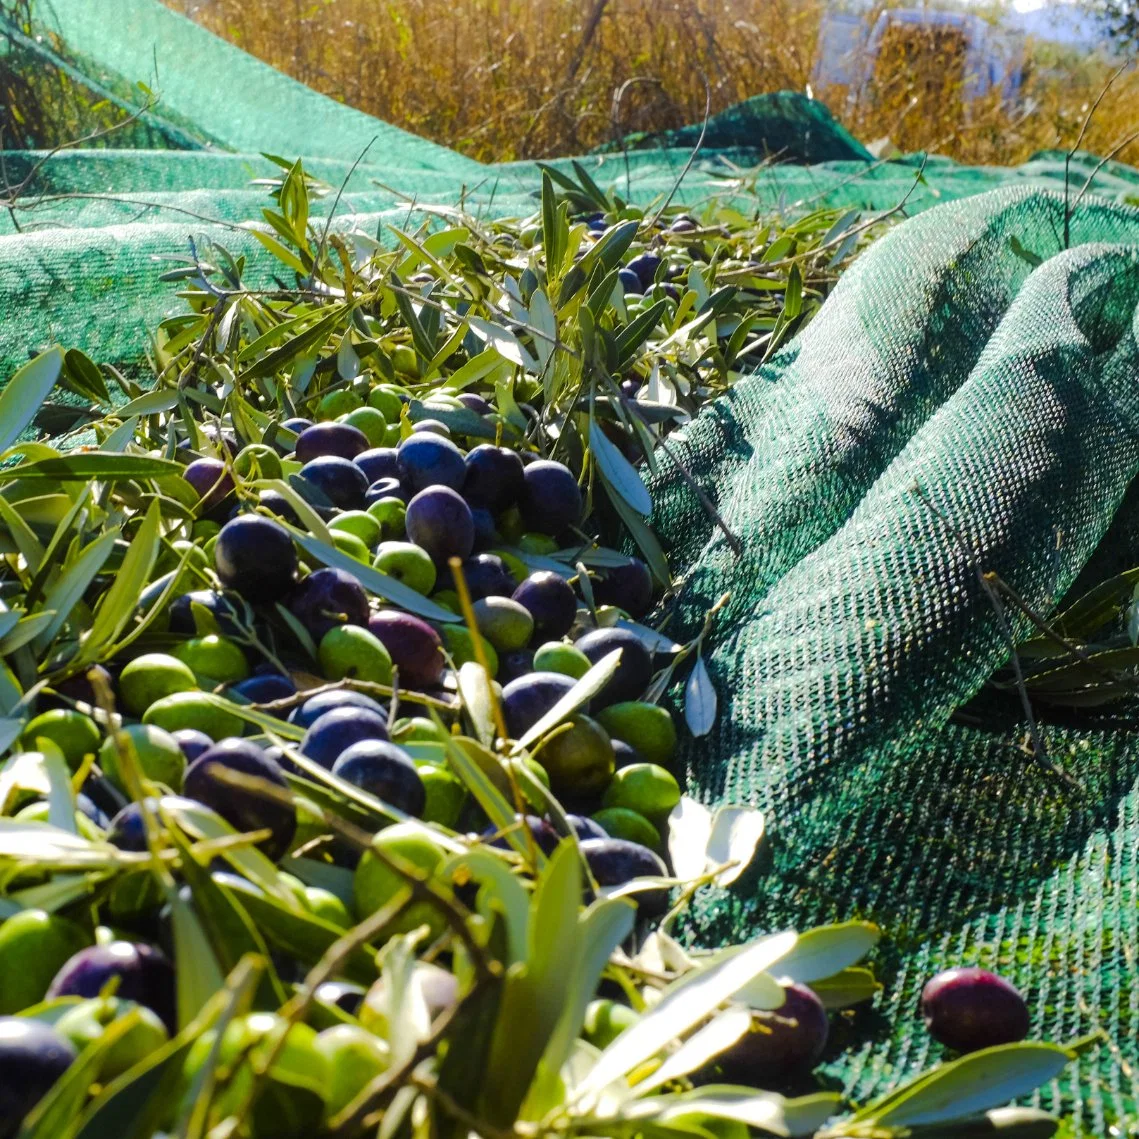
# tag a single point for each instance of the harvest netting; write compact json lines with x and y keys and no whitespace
{"x":905,"y":491}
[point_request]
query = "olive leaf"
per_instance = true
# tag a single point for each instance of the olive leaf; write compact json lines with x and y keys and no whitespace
{"x":767,"y":1112}
{"x":682,"y":1006}
{"x":699,"y":700}
{"x":94,"y":465}
{"x":118,"y":604}
{"x":25,"y":392}
{"x":969,"y":1086}
{"x":620,"y":476}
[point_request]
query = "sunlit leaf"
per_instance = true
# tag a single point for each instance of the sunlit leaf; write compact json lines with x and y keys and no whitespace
{"x":700,"y":700}
{"x":21,"y":398}
{"x":969,"y":1086}
{"x":620,"y":475}
{"x":683,"y":1005}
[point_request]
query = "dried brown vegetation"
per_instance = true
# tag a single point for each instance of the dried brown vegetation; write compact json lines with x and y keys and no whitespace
{"x":502,"y":79}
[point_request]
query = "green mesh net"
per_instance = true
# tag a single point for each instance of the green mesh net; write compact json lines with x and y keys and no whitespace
{"x":966,"y":401}
{"x":952,"y":410}
{"x":784,"y":125}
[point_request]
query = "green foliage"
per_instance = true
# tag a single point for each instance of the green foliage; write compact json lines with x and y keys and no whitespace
{"x":525,"y":937}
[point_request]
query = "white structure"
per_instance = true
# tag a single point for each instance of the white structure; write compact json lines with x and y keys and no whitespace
{"x":848,"y":48}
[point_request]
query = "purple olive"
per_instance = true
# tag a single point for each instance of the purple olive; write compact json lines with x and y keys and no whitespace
{"x":32,"y":1057}
{"x":338,"y":479}
{"x":315,"y":706}
{"x":383,"y":770}
{"x":645,"y":266}
{"x":551,"y":499}
{"x":486,"y":575}
{"x":475,"y":403}
{"x":210,"y":480}
{"x":326,"y":598}
{"x":634,"y":670}
{"x":628,"y":587}
{"x":279,"y":505}
{"x":440,"y":522}
{"x":378,"y":463}
{"x":192,"y":742}
{"x":428,"y":460}
{"x":415,"y":647}
{"x":229,"y":612}
{"x":494,"y":477}
{"x":336,"y":731}
{"x":245,"y":809}
{"x":144,"y":975}
{"x":127,"y":829}
{"x":615,"y":861}
{"x":624,"y":754}
{"x":630,"y":282}
{"x":551,"y":601}
{"x":386,"y":488}
{"x":584,"y":827}
{"x":486,"y":529}
{"x":339,"y":439}
{"x":514,"y":664}
{"x":969,"y":1009}
{"x":255,"y":557}
{"x":543,"y":833}
{"x":222,"y":438}
{"x":526,"y":700}
{"x":265,"y":688}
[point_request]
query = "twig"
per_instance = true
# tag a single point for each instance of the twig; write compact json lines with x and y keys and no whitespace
{"x":1039,"y":754}
{"x":331,"y":960}
{"x":423,"y":889}
{"x":335,"y":203}
{"x":1076,"y":146}
{"x":366,"y":1110}
{"x":1065,"y":643}
{"x":691,"y":158}
{"x":706,"y":503}
{"x":1127,"y":141}
{"x":92,"y":137}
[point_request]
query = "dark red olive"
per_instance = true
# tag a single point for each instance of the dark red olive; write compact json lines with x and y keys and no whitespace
{"x":781,"y":1043}
{"x":969,"y":1009}
{"x":415,"y":647}
{"x":212,"y":483}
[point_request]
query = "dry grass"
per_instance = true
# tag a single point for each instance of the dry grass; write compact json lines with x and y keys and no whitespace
{"x":503,"y":79}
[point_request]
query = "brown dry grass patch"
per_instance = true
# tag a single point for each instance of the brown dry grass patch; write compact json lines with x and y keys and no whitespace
{"x":506,"y":79}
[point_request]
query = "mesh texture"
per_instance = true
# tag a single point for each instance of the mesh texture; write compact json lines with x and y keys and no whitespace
{"x":963,"y":401}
